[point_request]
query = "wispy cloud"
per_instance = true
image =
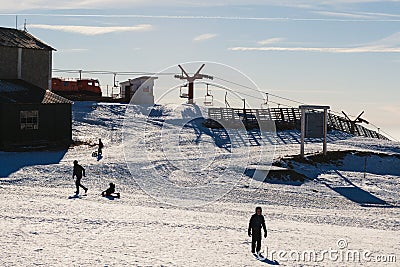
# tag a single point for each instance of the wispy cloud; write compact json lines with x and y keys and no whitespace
{"x":389,"y":41}
{"x":345,"y":15}
{"x":360,"y":15}
{"x":73,"y":50}
{"x":98,"y":4}
{"x":297,"y":91}
{"x":270,"y":41}
{"x":321,"y":49}
{"x":92,"y":30}
{"x":203,"y":37}
{"x":390,"y":44}
{"x":349,"y":18}
{"x":380,"y":14}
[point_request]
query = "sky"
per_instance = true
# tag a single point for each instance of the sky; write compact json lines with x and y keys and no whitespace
{"x":341,"y":53}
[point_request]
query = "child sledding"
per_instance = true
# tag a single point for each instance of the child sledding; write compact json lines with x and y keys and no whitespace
{"x":110,"y":192}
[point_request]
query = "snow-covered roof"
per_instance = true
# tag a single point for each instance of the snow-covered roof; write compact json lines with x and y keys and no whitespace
{"x":140,"y":80}
{"x":19,"y":91}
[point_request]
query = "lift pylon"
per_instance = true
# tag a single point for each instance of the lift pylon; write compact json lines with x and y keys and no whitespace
{"x":191,"y":79}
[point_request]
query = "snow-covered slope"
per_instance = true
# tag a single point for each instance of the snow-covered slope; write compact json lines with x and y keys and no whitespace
{"x":185,"y":198}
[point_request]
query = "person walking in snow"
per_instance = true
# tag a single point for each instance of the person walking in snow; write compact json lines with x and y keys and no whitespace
{"x":257,"y":222}
{"x":79,"y":171}
{"x":100,"y":149}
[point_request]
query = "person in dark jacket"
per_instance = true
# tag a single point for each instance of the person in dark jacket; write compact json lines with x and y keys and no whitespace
{"x":110,"y":192}
{"x":79,"y":171}
{"x":100,"y":149}
{"x":257,"y":222}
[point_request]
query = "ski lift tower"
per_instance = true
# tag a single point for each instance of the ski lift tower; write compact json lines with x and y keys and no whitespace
{"x":191,"y":79}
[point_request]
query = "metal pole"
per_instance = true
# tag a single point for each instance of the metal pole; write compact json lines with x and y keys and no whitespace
{"x":244,"y":112}
{"x":80,"y":74}
{"x":325,"y":131}
{"x":303,"y":131}
{"x":191,"y":93}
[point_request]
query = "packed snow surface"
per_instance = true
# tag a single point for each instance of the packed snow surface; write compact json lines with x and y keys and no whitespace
{"x":186,"y":199}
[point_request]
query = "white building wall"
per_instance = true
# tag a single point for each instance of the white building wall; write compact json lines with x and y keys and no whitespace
{"x":141,"y":90}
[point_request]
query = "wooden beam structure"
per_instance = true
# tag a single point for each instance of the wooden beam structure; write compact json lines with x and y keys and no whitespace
{"x":304,"y":109}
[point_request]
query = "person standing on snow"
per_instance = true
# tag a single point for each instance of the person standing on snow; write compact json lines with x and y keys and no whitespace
{"x":100,"y":149}
{"x":79,"y":171}
{"x":257,"y":222}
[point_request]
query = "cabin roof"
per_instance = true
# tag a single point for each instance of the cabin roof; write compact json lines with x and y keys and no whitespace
{"x":21,"y":39}
{"x":19,"y":91}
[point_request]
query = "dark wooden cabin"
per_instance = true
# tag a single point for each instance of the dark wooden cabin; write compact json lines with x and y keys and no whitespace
{"x":30,"y":114}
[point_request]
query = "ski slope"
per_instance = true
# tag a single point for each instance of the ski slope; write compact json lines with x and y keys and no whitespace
{"x":186,"y":200}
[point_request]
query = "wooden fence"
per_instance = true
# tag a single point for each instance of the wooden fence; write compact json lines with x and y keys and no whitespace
{"x":285,"y":119}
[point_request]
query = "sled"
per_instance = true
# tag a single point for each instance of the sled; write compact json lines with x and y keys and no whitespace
{"x":115,"y":195}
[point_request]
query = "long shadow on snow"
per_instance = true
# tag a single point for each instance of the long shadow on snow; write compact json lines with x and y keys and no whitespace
{"x":255,"y":137}
{"x":268,"y":261}
{"x":238,"y":138}
{"x":224,"y":139}
{"x":97,"y":114}
{"x":220,"y":137}
{"x":13,"y":161}
{"x":356,"y":194}
{"x":352,"y":160}
{"x":152,"y":111}
{"x":294,"y":137}
{"x":289,"y":177}
{"x":337,"y":162}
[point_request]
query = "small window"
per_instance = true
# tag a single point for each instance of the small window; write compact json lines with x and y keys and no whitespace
{"x":29,"y":120}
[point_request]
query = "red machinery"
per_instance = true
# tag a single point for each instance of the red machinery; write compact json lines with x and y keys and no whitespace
{"x":76,"y":87}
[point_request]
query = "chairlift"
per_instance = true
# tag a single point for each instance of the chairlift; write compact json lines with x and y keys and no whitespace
{"x":226,"y":100}
{"x":183,"y":94}
{"x":208,"y":98}
{"x":265,"y":103}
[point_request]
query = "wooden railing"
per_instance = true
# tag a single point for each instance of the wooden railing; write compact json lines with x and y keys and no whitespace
{"x":286,"y":119}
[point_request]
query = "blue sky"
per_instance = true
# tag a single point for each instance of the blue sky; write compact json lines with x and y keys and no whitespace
{"x":344,"y":53}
